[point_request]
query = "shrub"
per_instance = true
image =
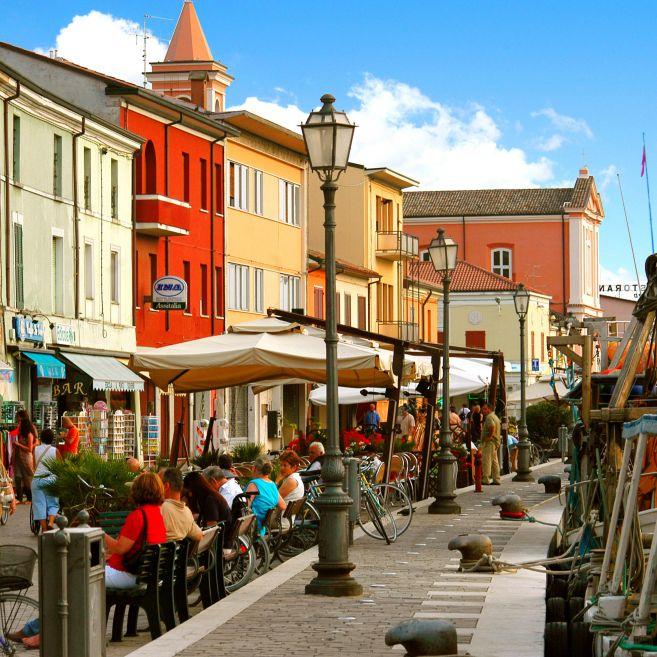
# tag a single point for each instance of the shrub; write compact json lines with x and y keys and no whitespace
{"x":69,"y":485}
{"x":246,"y":453}
{"x":544,"y":420}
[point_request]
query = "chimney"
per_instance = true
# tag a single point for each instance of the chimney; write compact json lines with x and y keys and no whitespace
{"x":197,"y":81}
{"x":584,"y":172}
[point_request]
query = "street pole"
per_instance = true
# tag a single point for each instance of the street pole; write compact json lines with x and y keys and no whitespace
{"x":524,"y":471}
{"x":445,"y":498}
{"x":333,"y":568}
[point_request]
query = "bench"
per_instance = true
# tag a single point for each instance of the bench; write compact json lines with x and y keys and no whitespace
{"x":112,"y":521}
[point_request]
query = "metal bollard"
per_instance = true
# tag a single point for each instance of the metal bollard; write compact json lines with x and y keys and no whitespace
{"x":351,"y":485}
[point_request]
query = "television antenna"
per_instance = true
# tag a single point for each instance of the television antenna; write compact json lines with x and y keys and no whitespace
{"x":145,"y":37}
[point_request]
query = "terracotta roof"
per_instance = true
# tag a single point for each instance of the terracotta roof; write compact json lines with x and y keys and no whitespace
{"x":465,"y":278}
{"x":343,"y":266}
{"x":188,"y":43}
{"x":497,"y":202}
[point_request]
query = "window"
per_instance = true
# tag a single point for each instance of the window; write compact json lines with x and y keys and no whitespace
{"x":384,"y":218}
{"x":476,"y":339}
{"x":57,"y":273}
{"x":187,"y":276}
{"x":204,"y":184}
{"x":362,"y":313}
{"x":258,"y":185}
{"x":16,"y":156}
{"x":218,"y":190}
{"x":218,"y":292}
{"x":203,"y":307}
{"x":151,"y":168}
{"x":338,"y":316}
{"x":57,"y":166}
{"x":533,"y":351}
{"x":115,"y":273}
{"x":238,"y":287}
{"x":18,"y":264}
{"x":289,"y":289}
{"x":86,"y":192}
{"x":152,"y":262}
{"x":428,"y":336}
{"x":89,"y":282}
{"x":385,"y":302}
{"x":185,"y":174}
{"x":347,"y":309}
{"x":424,"y":256}
{"x":239,"y":186}
{"x":501,"y":262}
{"x":318,"y":302}
{"x":288,"y":201}
{"x":114,"y":190}
{"x":258,"y":290}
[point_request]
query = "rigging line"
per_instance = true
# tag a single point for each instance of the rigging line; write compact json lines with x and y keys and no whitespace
{"x":629,"y":234}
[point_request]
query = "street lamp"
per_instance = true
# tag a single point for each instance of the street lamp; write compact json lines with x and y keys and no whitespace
{"x":521,"y":302}
{"x":328,"y":134}
{"x":443,"y":251}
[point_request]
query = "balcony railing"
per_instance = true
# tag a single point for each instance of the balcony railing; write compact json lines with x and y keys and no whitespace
{"x":396,"y":245}
{"x":162,"y":216}
{"x":400,"y":330}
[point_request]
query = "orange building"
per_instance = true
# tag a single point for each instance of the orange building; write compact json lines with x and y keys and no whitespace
{"x":545,"y":238}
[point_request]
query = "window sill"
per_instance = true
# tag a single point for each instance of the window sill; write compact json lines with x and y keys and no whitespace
{"x":188,"y":314}
{"x":203,"y":315}
{"x":204,"y":211}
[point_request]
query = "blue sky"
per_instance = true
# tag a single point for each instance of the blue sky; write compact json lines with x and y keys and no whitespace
{"x":528,"y":91}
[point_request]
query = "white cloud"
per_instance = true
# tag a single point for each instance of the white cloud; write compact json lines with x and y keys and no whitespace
{"x":620,"y":282}
{"x":551,"y":143}
{"x":108,"y":44}
{"x":564,"y":122}
{"x":442,"y":147}
{"x":607,"y":176}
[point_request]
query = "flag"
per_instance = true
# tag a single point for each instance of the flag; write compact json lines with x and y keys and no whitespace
{"x":643,"y":161}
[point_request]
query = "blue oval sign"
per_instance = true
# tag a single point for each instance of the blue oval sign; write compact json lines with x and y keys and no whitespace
{"x":170,"y":290}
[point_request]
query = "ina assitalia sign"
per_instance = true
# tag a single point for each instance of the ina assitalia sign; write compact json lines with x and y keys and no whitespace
{"x":169,"y":293}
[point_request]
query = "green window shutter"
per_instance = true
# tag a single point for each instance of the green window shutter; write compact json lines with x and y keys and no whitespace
{"x":18,"y":262}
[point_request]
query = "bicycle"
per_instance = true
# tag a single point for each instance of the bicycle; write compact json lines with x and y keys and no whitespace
{"x":16,"y":608}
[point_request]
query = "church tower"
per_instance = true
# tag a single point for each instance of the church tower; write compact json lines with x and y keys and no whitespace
{"x":189,"y":71}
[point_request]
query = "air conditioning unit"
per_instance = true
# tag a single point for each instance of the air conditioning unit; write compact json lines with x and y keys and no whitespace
{"x":12,"y":334}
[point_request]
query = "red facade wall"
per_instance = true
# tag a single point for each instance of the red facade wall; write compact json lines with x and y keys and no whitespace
{"x":540,"y":250}
{"x":185,"y":256}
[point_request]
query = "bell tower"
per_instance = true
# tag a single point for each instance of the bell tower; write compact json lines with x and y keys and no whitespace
{"x":189,"y":71}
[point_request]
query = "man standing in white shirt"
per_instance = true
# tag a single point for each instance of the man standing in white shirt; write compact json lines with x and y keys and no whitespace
{"x":407,"y":423}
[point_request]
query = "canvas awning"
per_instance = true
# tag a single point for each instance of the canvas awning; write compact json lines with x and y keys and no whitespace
{"x":106,"y":372}
{"x":539,"y":391}
{"x":243,"y":357}
{"x":48,"y":367}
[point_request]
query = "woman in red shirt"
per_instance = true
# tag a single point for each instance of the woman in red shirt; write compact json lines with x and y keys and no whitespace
{"x":147,"y":493}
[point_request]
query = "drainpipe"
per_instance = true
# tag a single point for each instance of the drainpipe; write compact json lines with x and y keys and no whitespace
{"x":76,"y":218}
{"x":166,"y":193}
{"x":213,"y":282}
{"x":133,"y":237}
{"x":6,"y":102}
{"x":369,"y":300}
{"x":563,"y":259}
{"x":464,"y":247}
{"x":424,"y":303}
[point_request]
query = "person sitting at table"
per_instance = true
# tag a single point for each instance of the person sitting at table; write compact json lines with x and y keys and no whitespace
{"x":224,"y":482}
{"x":144,"y":524}
{"x":209,"y":507}
{"x":290,"y":486}
{"x":316,"y":456}
{"x":178,"y":518}
{"x":268,"y":496}
{"x":372,"y":419}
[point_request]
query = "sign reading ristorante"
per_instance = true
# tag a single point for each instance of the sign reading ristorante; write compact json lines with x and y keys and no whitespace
{"x":169,"y":293}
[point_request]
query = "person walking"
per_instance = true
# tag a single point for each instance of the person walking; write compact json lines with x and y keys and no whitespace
{"x":491,"y":435}
{"x":474,"y":425}
{"x":44,"y":505}
{"x":23,"y":457}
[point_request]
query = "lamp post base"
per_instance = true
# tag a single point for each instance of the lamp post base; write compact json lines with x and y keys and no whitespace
{"x":444,"y":505}
{"x":524,"y":473}
{"x":523,"y":476}
{"x":334,"y":580}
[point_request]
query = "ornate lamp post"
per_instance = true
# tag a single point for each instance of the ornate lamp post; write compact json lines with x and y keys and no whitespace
{"x":521,"y":302}
{"x":443,"y":251}
{"x":328,"y":134}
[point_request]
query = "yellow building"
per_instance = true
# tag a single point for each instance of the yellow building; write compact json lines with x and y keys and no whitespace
{"x":370,"y":238}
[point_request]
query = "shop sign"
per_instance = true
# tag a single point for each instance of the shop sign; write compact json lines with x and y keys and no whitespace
{"x":29,"y":331}
{"x":535,"y":365}
{"x":63,"y":334}
{"x":169,"y":293}
{"x":69,"y":388}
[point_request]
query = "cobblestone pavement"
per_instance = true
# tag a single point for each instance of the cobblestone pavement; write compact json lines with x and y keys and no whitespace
{"x":414,"y":577}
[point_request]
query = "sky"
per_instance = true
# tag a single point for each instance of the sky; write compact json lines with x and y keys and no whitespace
{"x":454,"y":94}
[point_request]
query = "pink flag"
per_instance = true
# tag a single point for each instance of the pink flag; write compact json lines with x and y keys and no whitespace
{"x":643,"y":162}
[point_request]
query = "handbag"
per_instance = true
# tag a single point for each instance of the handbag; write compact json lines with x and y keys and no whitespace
{"x":133,"y":556}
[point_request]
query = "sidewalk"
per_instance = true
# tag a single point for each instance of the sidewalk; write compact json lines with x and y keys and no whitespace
{"x":414,"y":577}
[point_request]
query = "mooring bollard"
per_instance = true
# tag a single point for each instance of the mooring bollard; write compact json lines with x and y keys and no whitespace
{"x":424,"y":637}
{"x":552,"y":483}
{"x":511,"y":506}
{"x":472,"y":548}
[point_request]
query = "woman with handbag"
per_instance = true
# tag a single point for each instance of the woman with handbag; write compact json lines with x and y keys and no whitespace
{"x":143,"y":526}
{"x":44,"y":506}
{"x":23,"y":456}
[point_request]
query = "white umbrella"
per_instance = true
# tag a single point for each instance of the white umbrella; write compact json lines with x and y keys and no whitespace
{"x":238,"y":358}
{"x":539,"y":391}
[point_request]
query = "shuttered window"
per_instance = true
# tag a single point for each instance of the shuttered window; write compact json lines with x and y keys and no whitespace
{"x":362,"y":313}
{"x":347,"y":309}
{"x":239,"y":186}
{"x":16,"y":154}
{"x":89,"y":287}
{"x":288,"y":202}
{"x":258,"y":290}
{"x":57,"y":166}
{"x":238,"y":287}
{"x":18,"y":264}
{"x":57,"y":274}
{"x":476,"y":339}
{"x":318,"y":302}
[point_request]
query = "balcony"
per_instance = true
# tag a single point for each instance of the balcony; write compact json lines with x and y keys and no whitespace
{"x":400,"y":330}
{"x":395,"y":245}
{"x":161,"y":216}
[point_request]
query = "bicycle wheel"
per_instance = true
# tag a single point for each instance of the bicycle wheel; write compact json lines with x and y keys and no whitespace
{"x":396,"y":500}
{"x":262,"y":556}
{"x":15,"y":610}
{"x":384,"y":527}
{"x":35,"y":525}
{"x":239,"y":568}
{"x":305,"y":533}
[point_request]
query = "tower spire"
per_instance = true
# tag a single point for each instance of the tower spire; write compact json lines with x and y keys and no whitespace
{"x":188,"y":43}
